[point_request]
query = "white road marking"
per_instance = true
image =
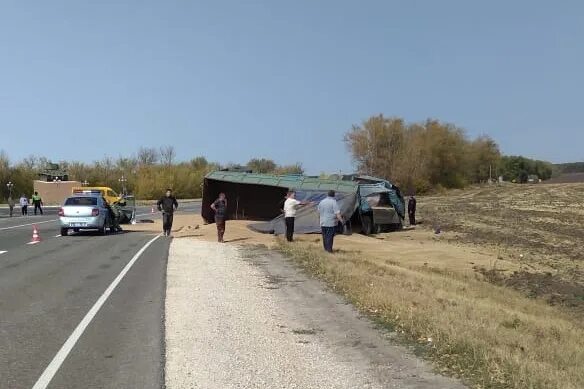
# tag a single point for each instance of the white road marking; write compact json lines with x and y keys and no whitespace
{"x":3,"y":252}
{"x":33,"y":242}
{"x":29,"y":224}
{"x":45,"y":378}
{"x":58,"y":236}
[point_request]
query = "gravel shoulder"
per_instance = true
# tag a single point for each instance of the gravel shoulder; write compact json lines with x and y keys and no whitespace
{"x":243,"y":317}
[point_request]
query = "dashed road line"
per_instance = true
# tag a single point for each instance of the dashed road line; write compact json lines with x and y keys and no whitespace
{"x":3,"y":252}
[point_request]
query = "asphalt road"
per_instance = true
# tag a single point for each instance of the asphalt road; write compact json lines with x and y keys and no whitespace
{"x":48,"y":290}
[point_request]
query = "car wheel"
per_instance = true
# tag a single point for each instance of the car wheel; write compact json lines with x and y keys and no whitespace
{"x":103,"y":229}
{"x":64,"y":231}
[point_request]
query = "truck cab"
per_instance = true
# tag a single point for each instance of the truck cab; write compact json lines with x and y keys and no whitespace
{"x":381,"y":206}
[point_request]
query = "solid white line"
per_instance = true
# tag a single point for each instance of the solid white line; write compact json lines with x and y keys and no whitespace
{"x":29,"y":224}
{"x":45,"y":378}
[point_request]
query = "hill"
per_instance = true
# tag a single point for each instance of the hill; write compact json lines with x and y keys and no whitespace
{"x":568,"y":168}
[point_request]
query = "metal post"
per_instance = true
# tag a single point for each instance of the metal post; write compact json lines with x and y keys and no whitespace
{"x":123,"y":181}
{"x":9,"y":185}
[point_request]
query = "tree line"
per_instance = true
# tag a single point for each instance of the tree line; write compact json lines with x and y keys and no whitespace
{"x":419,"y":157}
{"x":148,"y":172}
{"x":428,"y":155}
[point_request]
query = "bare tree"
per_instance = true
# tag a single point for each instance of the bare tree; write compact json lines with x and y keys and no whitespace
{"x":167,"y":155}
{"x":147,"y":156}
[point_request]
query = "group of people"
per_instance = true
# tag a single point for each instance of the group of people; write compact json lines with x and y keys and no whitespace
{"x":168,"y":205}
{"x":329,"y":214}
{"x":328,"y":210}
{"x":37,"y":201}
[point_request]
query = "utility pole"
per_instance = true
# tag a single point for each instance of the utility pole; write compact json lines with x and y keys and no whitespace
{"x":10,"y":185}
{"x":123,"y":180}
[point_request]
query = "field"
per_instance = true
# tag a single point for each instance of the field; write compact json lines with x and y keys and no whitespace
{"x":537,"y":229}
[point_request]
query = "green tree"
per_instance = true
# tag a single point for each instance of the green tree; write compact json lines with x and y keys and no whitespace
{"x":262,"y":165}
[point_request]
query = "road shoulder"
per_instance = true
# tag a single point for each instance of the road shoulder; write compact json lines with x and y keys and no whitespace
{"x":244,"y":317}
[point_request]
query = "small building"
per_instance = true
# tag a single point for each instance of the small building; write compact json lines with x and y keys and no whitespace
{"x":54,"y":193}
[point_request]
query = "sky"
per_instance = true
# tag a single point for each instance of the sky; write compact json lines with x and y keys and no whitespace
{"x":233,"y":80}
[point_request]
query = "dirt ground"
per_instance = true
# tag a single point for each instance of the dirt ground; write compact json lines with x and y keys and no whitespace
{"x":413,"y":246}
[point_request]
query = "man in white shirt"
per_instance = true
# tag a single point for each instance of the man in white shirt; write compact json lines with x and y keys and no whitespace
{"x":24,"y":205}
{"x":290,"y":207}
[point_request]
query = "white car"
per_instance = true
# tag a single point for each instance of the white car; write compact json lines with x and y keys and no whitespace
{"x":85,"y":212}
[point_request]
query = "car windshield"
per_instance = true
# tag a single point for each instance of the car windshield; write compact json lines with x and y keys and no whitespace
{"x":81,"y":201}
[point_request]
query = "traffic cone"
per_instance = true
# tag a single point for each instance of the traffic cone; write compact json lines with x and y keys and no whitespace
{"x":35,"y":234}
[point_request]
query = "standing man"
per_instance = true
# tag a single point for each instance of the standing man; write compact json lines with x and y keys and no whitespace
{"x":412,"y":210}
{"x":37,"y":201}
{"x":220,"y":208}
{"x":330,"y":215}
{"x":290,"y":207}
{"x":167,"y":205}
{"x":24,"y":205}
{"x":10,"y":205}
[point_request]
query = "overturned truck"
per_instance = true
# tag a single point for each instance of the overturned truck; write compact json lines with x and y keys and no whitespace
{"x":369,"y":204}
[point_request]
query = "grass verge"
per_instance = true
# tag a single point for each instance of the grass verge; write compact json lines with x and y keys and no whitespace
{"x":490,"y":336}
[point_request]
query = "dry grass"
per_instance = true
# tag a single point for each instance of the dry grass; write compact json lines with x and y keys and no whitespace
{"x":514,"y":322}
{"x":491,"y":336}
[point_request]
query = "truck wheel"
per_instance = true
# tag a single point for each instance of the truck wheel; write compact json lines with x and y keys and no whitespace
{"x":366,"y":224}
{"x":64,"y":231}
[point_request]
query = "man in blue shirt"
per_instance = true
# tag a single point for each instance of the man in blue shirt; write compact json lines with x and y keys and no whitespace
{"x":330,"y":215}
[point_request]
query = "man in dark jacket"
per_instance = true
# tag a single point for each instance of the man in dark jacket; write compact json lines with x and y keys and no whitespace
{"x":167,"y":205}
{"x":412,"y":210}
{"x":219,"y":206}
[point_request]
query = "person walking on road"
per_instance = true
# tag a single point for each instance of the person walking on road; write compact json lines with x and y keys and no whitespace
{"x":219,"y":206}
{"x":24,"y":205}
{"x":37,"y":201}
{"x":290,"y":207}
{"x":330,"y":216}
{"x":167,"y":205}
{"x":412,"y":210}
{"x":10,"y":205}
